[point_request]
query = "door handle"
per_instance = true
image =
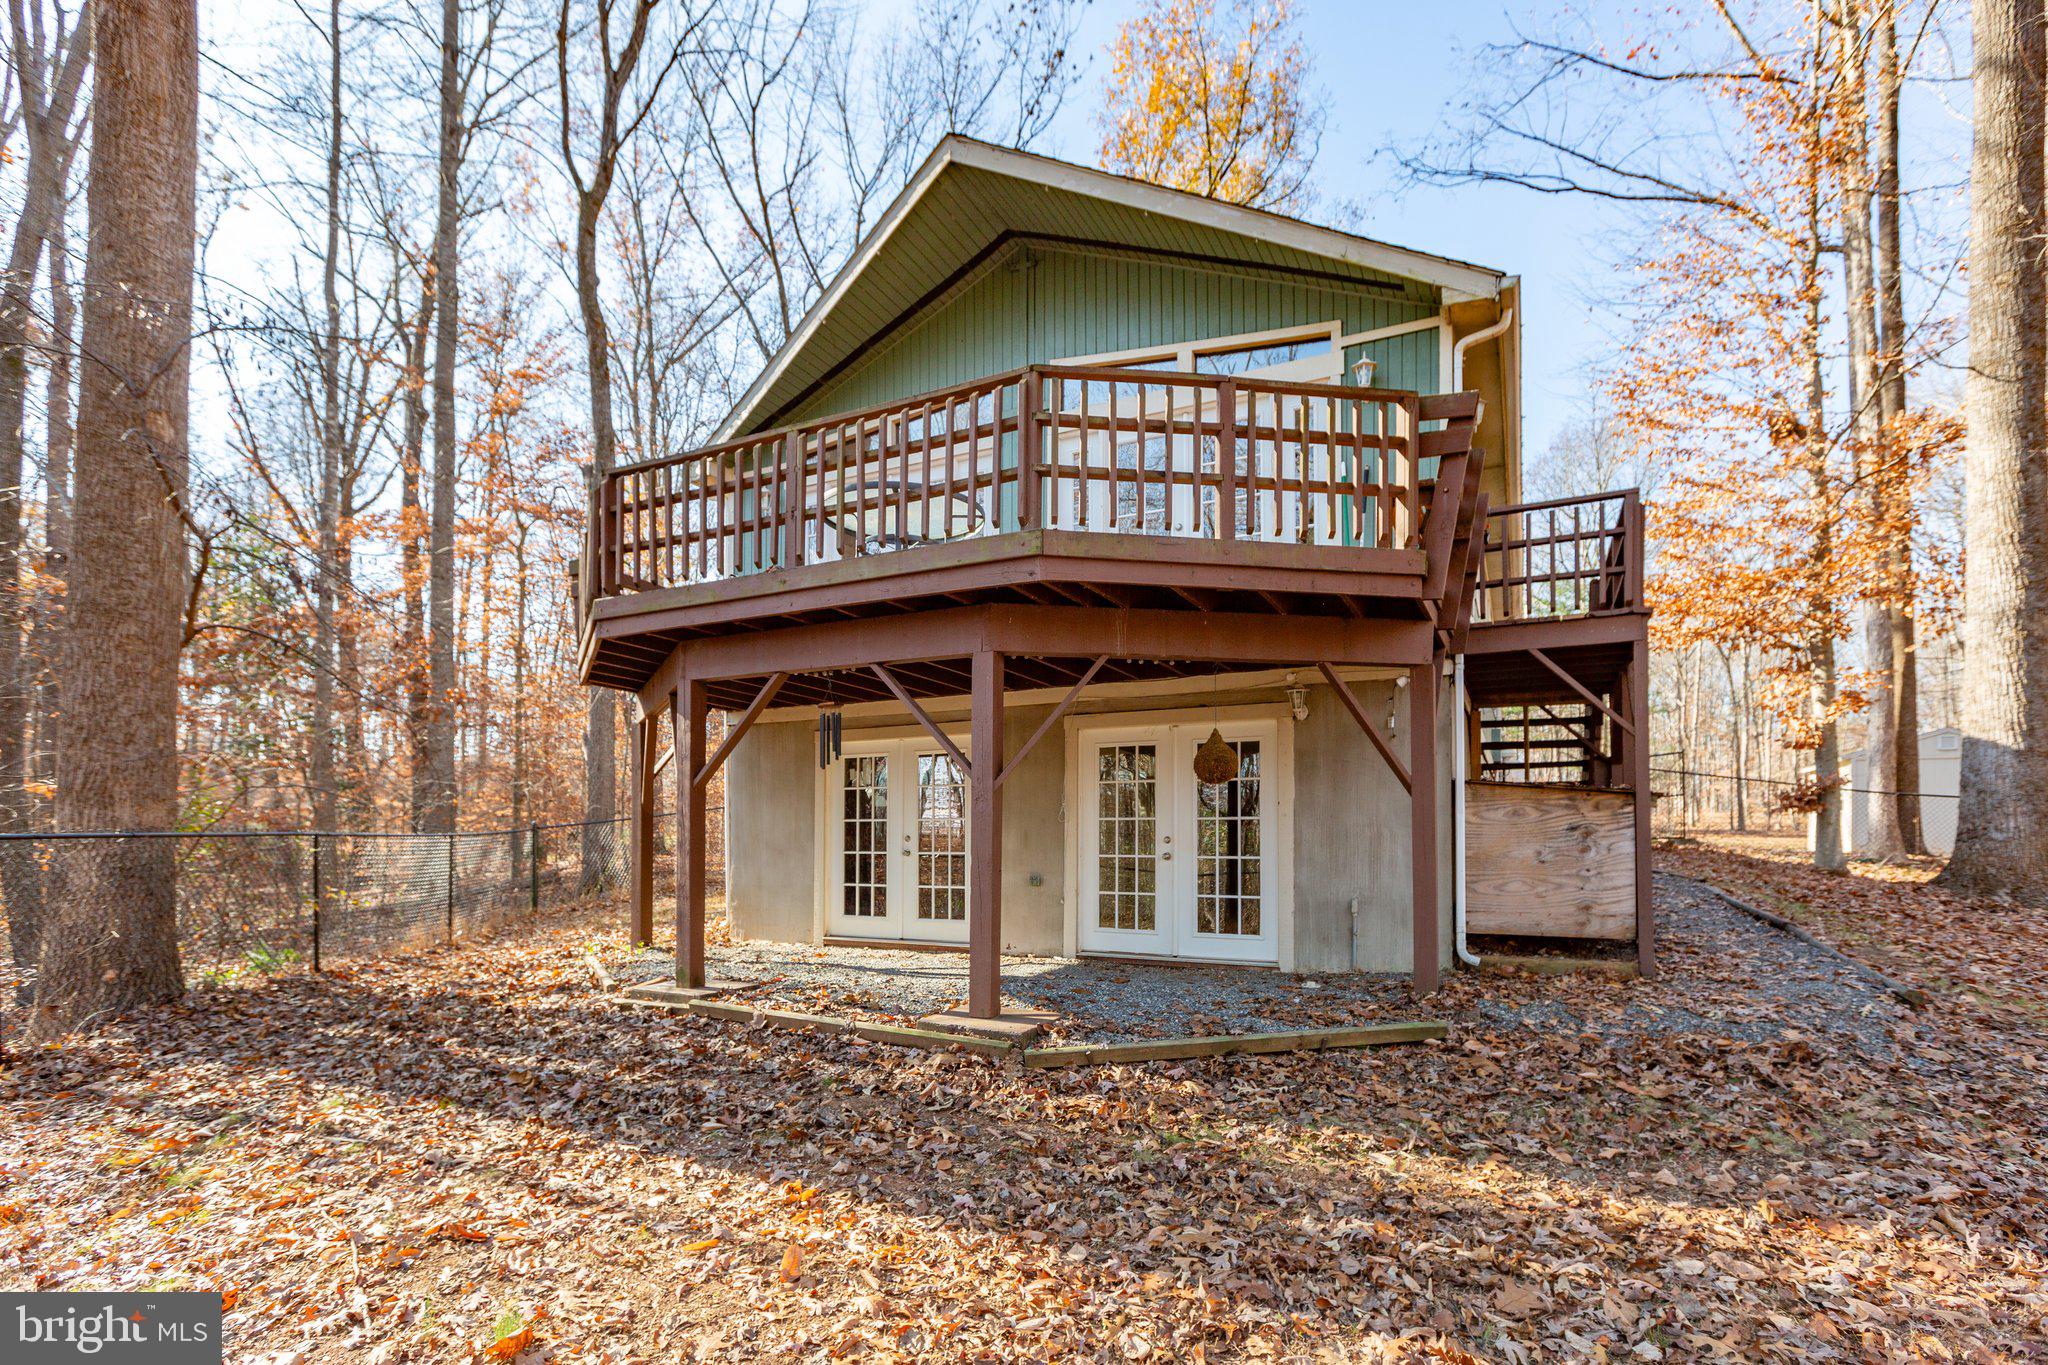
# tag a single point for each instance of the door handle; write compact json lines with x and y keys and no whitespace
{"x":1167,"y":856}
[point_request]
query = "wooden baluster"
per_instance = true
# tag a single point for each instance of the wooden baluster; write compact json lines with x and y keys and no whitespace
{"x":1378,"y":529}
{"x":902,"y":424}
{"x":1143,"y":518}
{"x":1248,"y":472}
{"x":1114,"y":517}
{"x":1030,"y":451}
{"x":1087,"y":447}
{"x":1578,"y":565}
{"x":1226,"y":460}
{"x":1330,"y":460}
{"x":947,"y":505}
{"x":1049,"y":493}
{"x":718,"y":500}
{"x":925,"y":482}
{"x":1413,"y":428}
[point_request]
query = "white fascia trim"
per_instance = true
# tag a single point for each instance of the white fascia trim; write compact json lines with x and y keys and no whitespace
{"x":1457,"y":279}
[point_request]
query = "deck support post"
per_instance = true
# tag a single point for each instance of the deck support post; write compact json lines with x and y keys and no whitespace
{"x":691,"y":708}
{"x":985,"y":841}
{"x":641,"y":928}
{"x":1422,"y":757}
{"x":1636,"y":742}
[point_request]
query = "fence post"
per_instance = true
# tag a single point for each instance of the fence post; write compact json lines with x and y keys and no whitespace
{"x":533,"y":867}
{"x":451,"y":888}
{"x":317,"y":896}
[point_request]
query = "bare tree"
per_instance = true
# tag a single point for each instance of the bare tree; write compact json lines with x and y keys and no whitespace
{"x":1901,"y":774}
{"x":438,"y":747}
{"x":2002,"y":823}
{"x":50,"y":54}
{"x":114,"y":943}
{"x":625,"y":97}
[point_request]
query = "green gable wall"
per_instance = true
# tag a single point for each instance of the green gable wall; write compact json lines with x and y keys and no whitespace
{"x":1035,"y":303}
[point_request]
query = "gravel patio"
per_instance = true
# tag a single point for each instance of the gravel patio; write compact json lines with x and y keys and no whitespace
{"x":1724,"y":975}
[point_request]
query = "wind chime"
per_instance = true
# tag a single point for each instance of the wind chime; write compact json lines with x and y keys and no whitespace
{"x":829,"y":734}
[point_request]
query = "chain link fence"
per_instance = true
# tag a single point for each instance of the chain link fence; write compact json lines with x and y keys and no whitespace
{"x":1692,"y":804}
{"x":260,"y":900}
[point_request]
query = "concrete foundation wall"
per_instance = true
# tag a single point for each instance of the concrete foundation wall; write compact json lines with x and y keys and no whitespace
{"x":1351,"y":836}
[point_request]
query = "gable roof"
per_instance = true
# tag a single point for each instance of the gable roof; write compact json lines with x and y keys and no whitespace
{"x":972,"y":198}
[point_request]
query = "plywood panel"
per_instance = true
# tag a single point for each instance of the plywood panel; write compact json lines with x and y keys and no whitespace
{"x":1555,"y":862}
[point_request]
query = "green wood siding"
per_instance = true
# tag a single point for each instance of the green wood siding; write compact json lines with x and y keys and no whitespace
{"x":1034,"y":304}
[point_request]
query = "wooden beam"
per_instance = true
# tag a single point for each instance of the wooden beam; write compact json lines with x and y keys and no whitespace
{"x":1637,"y":692}
{"x":1056,"y":632}
{"x":1583,"y":691}
{"x":1372,"y":732}
{"x":640,"y":925}
{"x":738,"y":729}
{"x":1422,"y":840}
{"x":667,"y":757}
{"x":692,"y":706}
{"x":1051,"y":720}
{"x":985,"y":842}
{"x":945,"y":740}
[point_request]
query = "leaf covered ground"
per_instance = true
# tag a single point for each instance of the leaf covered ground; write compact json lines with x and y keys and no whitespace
{"x":474,"y":1155}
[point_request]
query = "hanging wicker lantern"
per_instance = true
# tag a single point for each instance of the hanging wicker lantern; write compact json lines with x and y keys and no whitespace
{"x":1215,"y":761}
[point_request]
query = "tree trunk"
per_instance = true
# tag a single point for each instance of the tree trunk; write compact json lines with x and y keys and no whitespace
{"x":57,"y":501}
{"x":522,"y":808}
{"x":600,"y":744}
{"x":413,"y":631}
{"x":112,"y":944}
{"x":1891,"y":408}
{"x":1823,"y":688}
{"x":1859,"y":288}
{"x":49,"y":85}
{"x":327,"y":551}
{"x":439,"y":813}
{"x":2002,"y":823}
{"x":57,"y":399}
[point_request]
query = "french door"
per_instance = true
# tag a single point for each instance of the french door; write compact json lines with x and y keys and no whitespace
{"x":1172,"y":866}
{"x":896,"y":820}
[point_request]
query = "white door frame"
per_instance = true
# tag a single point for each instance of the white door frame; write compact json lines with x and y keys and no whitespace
{"x":899,"y":924}
{"x":1277,"y":833}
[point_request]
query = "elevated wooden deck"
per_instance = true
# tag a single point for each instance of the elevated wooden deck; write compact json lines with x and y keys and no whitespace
{"x":1098,"y":490}
{"x":1061,"y":525}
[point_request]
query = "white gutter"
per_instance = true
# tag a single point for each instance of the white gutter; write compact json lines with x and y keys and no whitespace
{"x":1466,"y":342}
{"x":1461,"y":760}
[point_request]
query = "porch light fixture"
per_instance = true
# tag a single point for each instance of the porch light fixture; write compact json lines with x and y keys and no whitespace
{"x":1394,"y":708}
{"x":1297,"y":700}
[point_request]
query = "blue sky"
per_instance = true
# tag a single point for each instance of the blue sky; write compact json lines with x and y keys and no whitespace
{"x":1395,"y":72}
{"x":1380,"y":104}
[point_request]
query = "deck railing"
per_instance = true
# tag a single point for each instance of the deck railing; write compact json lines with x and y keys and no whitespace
{"x":1142,"y":452}
{"x":1564,"y":557}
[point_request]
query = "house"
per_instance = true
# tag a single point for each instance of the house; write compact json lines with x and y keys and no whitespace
{"x":1102,"y":569}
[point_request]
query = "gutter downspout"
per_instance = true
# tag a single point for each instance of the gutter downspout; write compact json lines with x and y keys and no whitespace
{"x":1461,"y":759}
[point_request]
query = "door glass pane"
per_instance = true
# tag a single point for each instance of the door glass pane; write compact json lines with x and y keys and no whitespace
{"x":1127,"y":834}
{"x":864,"y":817}
{"x":1227,"y":849}
{"x":941,"y":839}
